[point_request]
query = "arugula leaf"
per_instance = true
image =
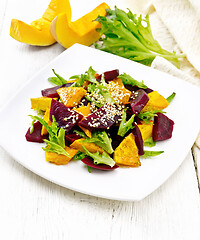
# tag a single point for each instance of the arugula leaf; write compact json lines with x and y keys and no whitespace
{"x":102,"y":140}
{"x":80,"y":133}
{"x":151,"y":153}
{"x":99,"y":94}
{"x":89,"y":169}
{"x":171,"y":97}
{"x":56,"y":142}
{"x":103,"y":158}
{"x":39,"y":111}
{"x":90,"y":74}
{"x":149,"y":142}
{"x":124,"y":126}
{"x":127,"y":79}
{"x":56,"y":148}
{"x":58,"y":80}
{"x":129,"y":36}
{"x":147,"y":116}
{"x":80,"y":80}
{"x":79,"y":155}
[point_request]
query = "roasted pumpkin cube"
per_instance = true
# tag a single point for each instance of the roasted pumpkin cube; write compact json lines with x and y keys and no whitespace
{"x":42,"y":103}
{"x":46,"y":119}
{"x":119,"y":81}
{"x":85,"y":110}
{"x":156,"y":102}
{"x":127,"y":152}
{"x":60,"y":159}
{"x":71,"y":96}
{"x":91,"y":147}
{"x":146,"y":130}
{"x":119,"y":93}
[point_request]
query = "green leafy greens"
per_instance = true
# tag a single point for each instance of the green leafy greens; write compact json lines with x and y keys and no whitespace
{"x":125,"y":126}
{"x":56,"y":142}
{"x":89,"y":75}
{"x":103,"y":158}
{"x":151,"y":153}
{"x":149,"y":142}
{"x":147,"y":116}
{"x":129,"y":36}
{"x":58,"y":80}
{"x":127,"y":79}
{"x":99,"y":138}
{"x":171,"y":97}
{"x":102,"y":140}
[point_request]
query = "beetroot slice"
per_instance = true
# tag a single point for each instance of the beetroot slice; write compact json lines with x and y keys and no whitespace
{"x":64,"y":116}
{"x":103,"y":118}
{"x":139,"y":100}
{"x":135,"y":88}
{"x":70,"y":138}
{"x":51,"y":92}
{"x":35,"y":136}
{"x":109,"y":75}
{"x":162,"y":128}
{"x":89,"y":162}
{"x":116,"y":139}
{"x":138,"y":139}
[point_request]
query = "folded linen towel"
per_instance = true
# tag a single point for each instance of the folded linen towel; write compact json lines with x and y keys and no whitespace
{"x":176,"y":26}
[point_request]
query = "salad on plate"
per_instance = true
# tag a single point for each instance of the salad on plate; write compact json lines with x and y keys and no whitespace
{"x":105,"y":120}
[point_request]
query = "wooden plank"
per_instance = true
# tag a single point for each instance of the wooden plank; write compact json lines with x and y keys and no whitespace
{"x":38,"y":209}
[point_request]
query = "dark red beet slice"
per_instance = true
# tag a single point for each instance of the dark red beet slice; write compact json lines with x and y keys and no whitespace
{"x":135,"y":88}
{"x":103,"y":118}
{"x":64,"y":116}
{"x":139,"y":100}
{"x":51,"y":92}
{"x":162,"y":128}
{"x":70,"y":138}
{"x":35,"y":136}
{"x":138,"y":139}
{"x":109,"y":75}
{"x":116,"y":139}
{"x":89,"y":162}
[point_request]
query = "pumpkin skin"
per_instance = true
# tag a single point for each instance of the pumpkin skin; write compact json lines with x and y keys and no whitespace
{"x":38,"y":32}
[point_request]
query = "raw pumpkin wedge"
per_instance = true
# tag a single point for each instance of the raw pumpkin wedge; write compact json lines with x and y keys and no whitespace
{"x":38,"y":32}
{"x":81,"y":31}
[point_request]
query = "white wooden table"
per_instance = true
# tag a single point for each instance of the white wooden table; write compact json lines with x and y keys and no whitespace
{"x":34,"y":208}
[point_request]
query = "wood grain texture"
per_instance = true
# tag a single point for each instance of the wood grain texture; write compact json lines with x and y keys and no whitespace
{"x":34,"y":208}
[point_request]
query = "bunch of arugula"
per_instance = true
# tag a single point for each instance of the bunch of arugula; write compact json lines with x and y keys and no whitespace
{"x":56,"y":142}
{"x":129,"y":36}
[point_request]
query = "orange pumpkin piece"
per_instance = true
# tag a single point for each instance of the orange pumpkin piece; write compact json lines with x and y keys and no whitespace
{"x":119,"y":93}
{"x":156,"y":102}
{"x":91,"y":147}
{"x":46,"y":119}
{"x":127,"y":152}
{"x":146,"y":130}
{"x":42,"y":103}
{"x":119,"y":81}
{"x":82,"y":31}
{"x":71,"y":96}
{"x":38,"y":32}
{"x":85,"y":110}
{"x":60,"y":159}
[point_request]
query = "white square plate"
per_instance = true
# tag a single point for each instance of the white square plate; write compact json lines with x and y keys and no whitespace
{"x":131,"y":184}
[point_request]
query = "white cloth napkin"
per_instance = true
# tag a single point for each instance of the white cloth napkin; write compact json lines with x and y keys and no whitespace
{"x":176,"y":26}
